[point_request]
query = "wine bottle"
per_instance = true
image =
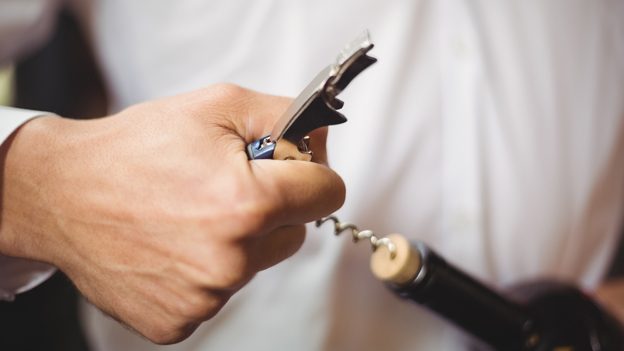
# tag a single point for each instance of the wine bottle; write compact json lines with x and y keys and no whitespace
{"x":535,"y":316}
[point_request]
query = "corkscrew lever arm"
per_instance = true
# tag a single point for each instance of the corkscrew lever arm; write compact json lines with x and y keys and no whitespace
{"x":316,"y":106}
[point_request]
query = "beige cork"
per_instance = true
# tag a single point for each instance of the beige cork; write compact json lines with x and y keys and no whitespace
{"x":402,"y":268}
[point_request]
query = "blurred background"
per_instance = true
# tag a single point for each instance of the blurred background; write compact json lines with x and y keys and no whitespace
{"x":62,"y":77}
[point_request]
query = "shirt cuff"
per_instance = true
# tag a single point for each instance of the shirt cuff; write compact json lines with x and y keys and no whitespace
{"x":18,"y":275}
{"x":11,"y":118}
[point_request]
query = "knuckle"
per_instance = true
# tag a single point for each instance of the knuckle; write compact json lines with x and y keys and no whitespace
{"x":226,"y":271}
{"x":199,"y":307}
{"x":191,"y":307}
{"x":253,"y":213}
{"x":233,"y":282}
{"x":184,"y":317}
{"x":229,"y":91}
{"x":170,"y":332}
{"x":234,"y":277}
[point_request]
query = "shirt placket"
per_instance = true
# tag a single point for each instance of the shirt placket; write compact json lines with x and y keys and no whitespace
{"x":462,"y":190}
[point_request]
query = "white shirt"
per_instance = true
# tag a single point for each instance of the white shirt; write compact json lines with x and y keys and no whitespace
{"x":492,"y":130}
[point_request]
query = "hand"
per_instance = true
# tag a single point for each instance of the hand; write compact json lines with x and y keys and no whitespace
{"x":155,"y":213}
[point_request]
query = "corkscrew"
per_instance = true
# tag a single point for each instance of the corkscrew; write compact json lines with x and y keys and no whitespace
{"x":393,"y":259}
{"x":358,"y":235}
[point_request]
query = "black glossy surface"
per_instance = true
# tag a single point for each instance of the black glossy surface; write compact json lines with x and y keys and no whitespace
{"x":539,"y":316}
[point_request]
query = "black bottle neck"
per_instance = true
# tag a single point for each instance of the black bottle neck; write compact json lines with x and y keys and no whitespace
{"x":498,"y":321}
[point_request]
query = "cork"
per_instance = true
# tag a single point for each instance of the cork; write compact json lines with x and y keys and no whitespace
{"x":401,"y":269}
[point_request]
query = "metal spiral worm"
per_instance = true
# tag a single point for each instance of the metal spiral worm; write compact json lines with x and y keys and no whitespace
{"x":358,"y":235}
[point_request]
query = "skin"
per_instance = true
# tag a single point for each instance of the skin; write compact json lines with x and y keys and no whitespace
{"x":155,"y":213}
{"x":611,"y":295}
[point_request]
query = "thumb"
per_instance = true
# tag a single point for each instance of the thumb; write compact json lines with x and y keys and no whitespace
{"x":301,"y":191}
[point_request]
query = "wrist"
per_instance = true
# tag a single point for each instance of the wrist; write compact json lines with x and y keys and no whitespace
{"x":28,"y":163}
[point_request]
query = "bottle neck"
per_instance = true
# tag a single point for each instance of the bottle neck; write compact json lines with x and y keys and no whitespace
{"x":469,"y":304}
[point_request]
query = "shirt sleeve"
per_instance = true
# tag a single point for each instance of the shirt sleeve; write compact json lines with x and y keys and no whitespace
{"x":24,"y":24}
{"x":18,"y":275}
